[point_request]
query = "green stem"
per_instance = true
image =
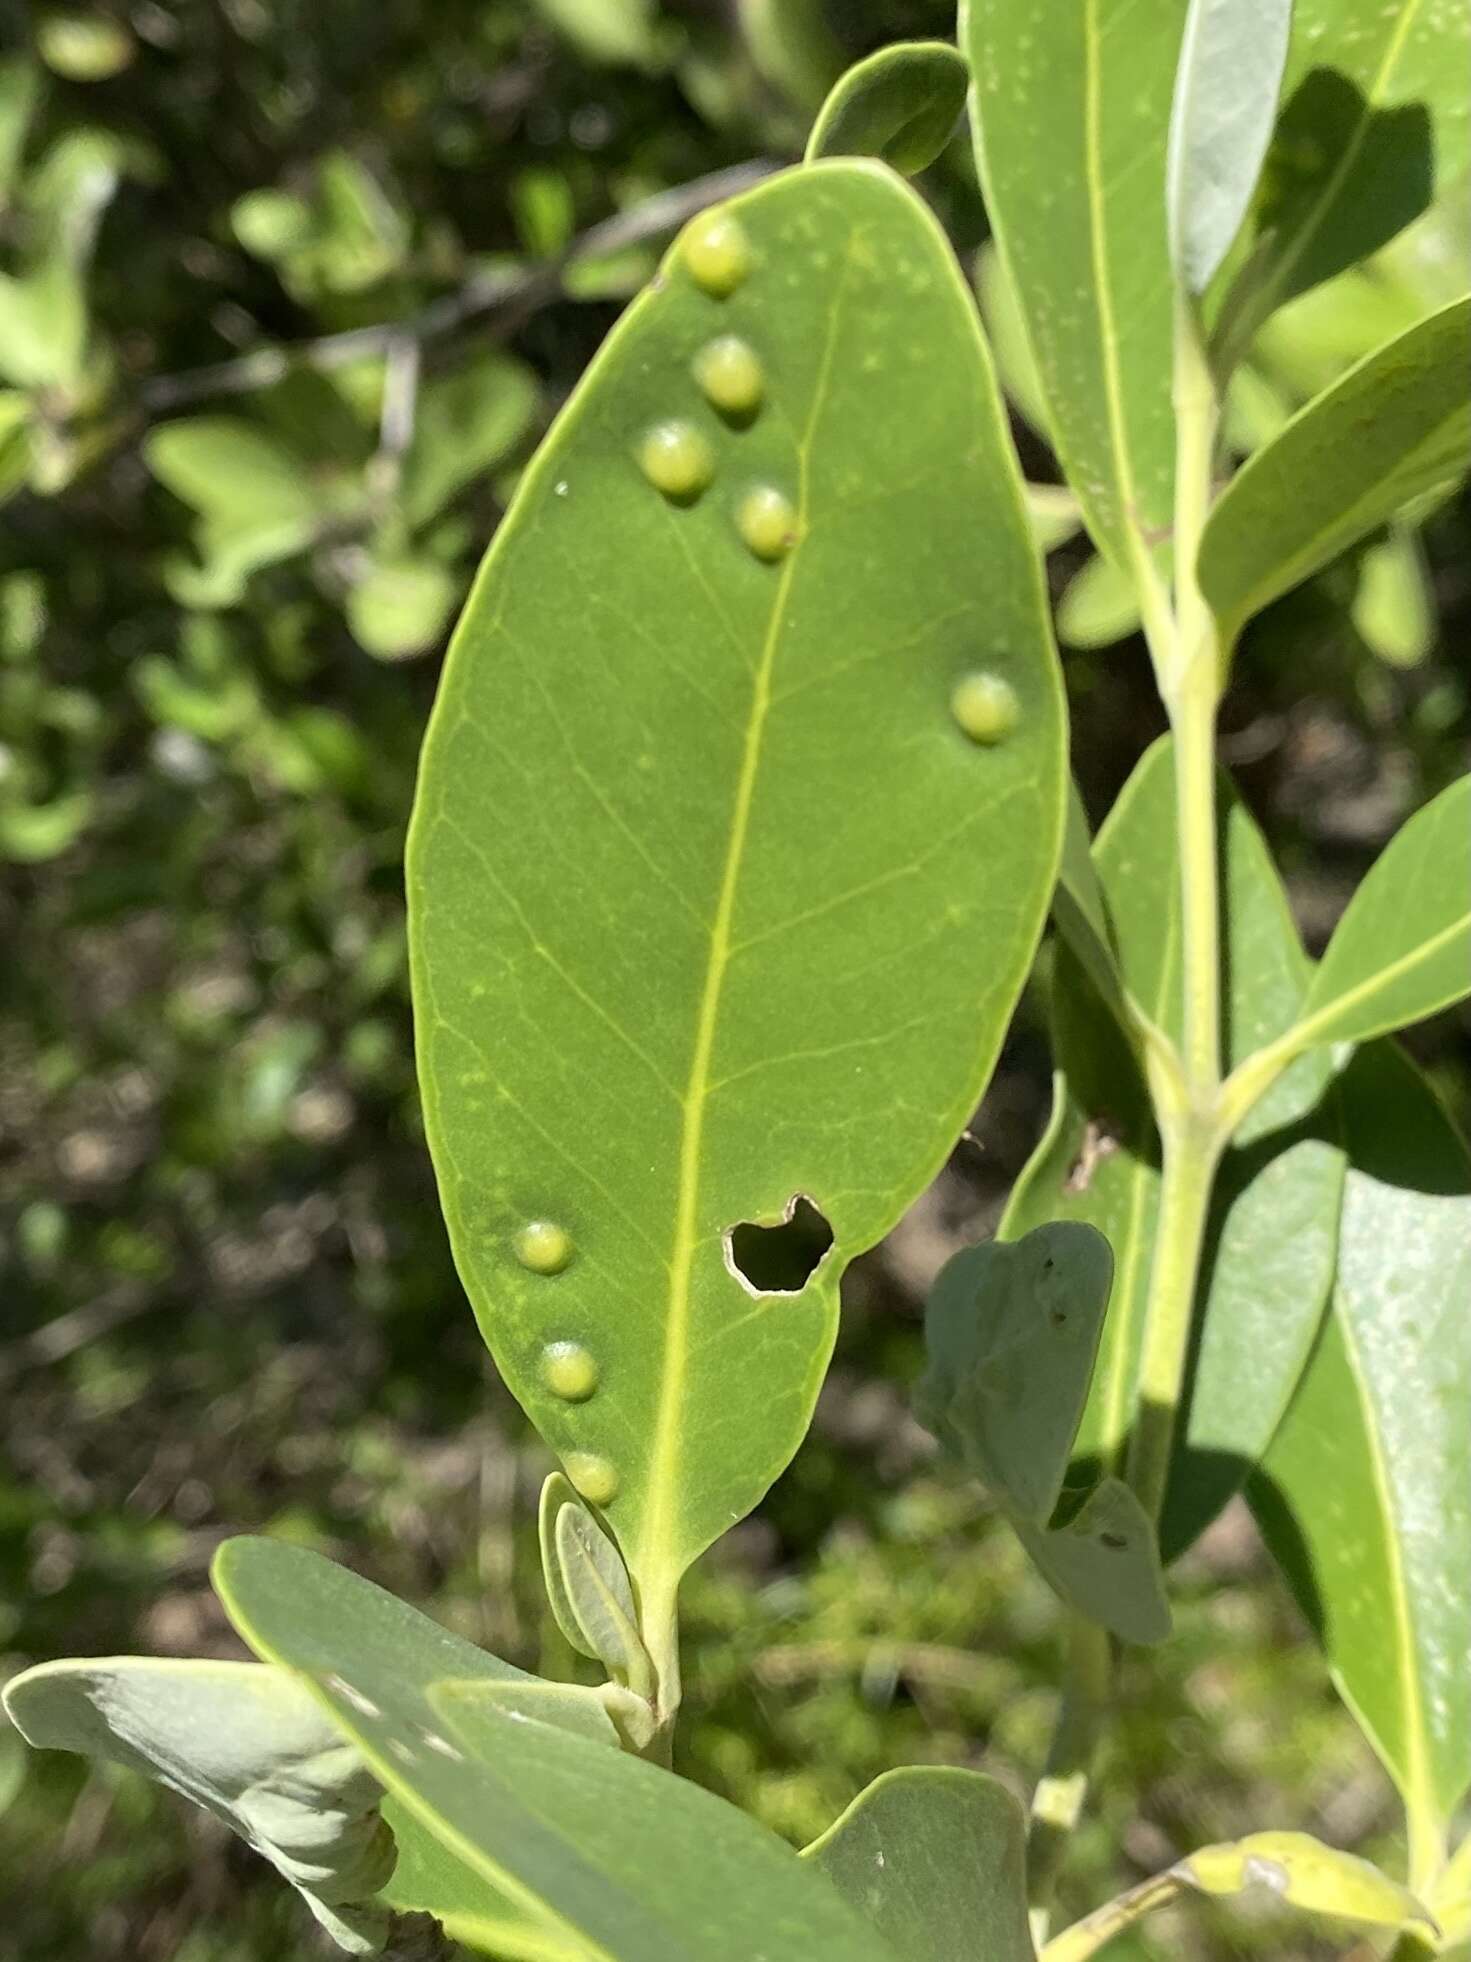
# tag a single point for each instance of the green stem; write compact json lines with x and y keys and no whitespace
{"x":1087,"y":1936}
{"x":1058,"y":1800}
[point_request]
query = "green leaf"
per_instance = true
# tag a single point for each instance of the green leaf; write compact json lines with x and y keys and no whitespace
{"x":1007,"y":330}
{"x":649,"y":735}
{"x":1054,"y":515}
{"x":246,"y":1743}
{"x":1271,"y":1243}
{"x":600,"y":1847}
{"x":1377,"y":119}
{"x":400,"y":606}
{"x":1231,"y":63}
{"x":557,"y":1492}
{"x":1104,"y":1562}
{"x":935,"y":1859}
{"x":619,"y":33}
{"x":1365,"y":1496}
{"x":232,"y":471}
{"x":84,"y":47}
{"x":793,"y":47}
{"x":429,"y":1879}
{"x":1099,"y":605}
{"x":467,"y":424}
{"x":901,"y":104}
{"x":1395,"y":428}
{"x":1306,"y":1874}
{"x":598,"y":1592}
{"x":1071,"y":109}
{"x":1081,"y":914}
{"x":1011,"y":1332}
{"x":20,"y":91}
{"x":1394,"y":603}
{"x":1403,"y":948}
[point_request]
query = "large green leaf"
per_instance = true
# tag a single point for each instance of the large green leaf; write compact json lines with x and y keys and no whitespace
{"x":1269,"y":1257}
{"x":701,"y":853}
{"x":1376,"y":120}
{"x":935,"y":1859}
{"x":1403,"y":948}
{"x":901,"y":104}
{"x":1072,"y":105}
{"x":1395,"y":428}
{"x":1231,"y":63}
{"x":1365,"y":1496}
{"x":622,"y":1861}
{"x":248,"y":1744}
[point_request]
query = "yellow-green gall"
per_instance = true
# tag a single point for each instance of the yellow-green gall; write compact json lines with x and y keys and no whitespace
{"x":717,"y":252}
{"x":676,"y":459}
{"x":543,"y":1246}
{"x":729,"y":372}
{"x":595,"y":1477}
{"x":985,"y":706}
{"x":767,"y":523}
{"x":569,"y":1371}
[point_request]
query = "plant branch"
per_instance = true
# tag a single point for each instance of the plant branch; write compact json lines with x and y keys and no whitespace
{"x":1057,"y":1803}
{"x":514,"y":294}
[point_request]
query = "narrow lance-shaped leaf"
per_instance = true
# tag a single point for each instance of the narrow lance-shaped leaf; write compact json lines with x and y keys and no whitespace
{"x":1365,"y":1496}
{"x":247,"y":1743}
{"x":935,"y":1859}
{"x":1403,"y":948}
{"x":1231,"y":63}
{"x":1071,"y":107}
{"x":594,"y":1845}
{"x":743,"y":794}
{"x":1395,"y":428}
{"x":1270,"y":1250}
{"x":1376,"y":123}
{"x":901,"y":104}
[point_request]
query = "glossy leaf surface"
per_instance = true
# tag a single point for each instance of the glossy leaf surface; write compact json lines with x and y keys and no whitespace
{"x":604,"y":1848}
{"x":1271,"y":1243}
{"x":935,"y":1859}
{"x":247,"y":1743}
{"x":700,"y":852}
{"x":1395,"y":428}
{"x":1231,"y":63}
{"x":901,"y":104}
{"x":1072,"y":106}
{"x":1365,"y":1496}
{"x":1403,"y":948}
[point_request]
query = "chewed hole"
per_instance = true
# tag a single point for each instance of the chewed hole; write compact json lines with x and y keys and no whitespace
{"x":779,"y":1259}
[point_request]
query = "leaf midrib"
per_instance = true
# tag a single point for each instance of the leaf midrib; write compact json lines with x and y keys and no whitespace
{"x":1309,"y":1029}
{"x":656,"y":1560}
{"x":1420,"y":1793}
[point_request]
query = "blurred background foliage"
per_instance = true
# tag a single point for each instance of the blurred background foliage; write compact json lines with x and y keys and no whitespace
{"x":285,"y":301}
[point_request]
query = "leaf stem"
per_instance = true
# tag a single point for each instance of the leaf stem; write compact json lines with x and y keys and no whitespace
{"x":1087,"y":1936}
{"x":1062,"y":1789}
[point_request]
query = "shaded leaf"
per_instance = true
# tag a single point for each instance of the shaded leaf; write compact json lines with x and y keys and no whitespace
{"x":249,"y":1745}
{"x":466,"y":424}
{"x":934,"y":1858}
{"x":1376,"y":120}
{"x":1231,"y":63}
{"x":1011,"y":1331}
{"x":1394,"y":603}
{"x":1271,"y":1242}
{"x":401,"y":606}
{"x":598,"y":1846}
{"x":793,"y":47}
{"x":1394,"y":429}
{"x":1104,"y":1562}
{"x":599,"y":1594}
{"x":650,"y":735}
{"x":901,"y":104}
{"x":1365,"y":1496}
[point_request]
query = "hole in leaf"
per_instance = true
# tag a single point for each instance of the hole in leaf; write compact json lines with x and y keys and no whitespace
{"x":779,"y":1259}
